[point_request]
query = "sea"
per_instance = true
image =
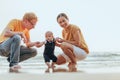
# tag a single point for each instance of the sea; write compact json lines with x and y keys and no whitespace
{"x":95,"y":62}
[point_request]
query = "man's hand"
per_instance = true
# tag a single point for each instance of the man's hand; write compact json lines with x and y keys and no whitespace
{"x":39,"y":44}
{"x":23,"y":37}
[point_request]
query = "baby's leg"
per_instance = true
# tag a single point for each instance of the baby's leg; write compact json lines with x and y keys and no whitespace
{"x":53,"y":65}
{"x":48,"y":65}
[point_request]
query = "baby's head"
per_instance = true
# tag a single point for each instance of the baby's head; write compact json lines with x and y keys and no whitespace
{"x":49,"y":36}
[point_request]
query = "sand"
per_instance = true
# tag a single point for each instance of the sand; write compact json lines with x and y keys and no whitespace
{"x":59,"y":74}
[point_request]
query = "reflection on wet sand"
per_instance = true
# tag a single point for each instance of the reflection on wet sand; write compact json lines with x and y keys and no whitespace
{"x":60,"y":70}
{"x":53,"y":70}
{"x":50,"y":70}
{"x":13,"y":71}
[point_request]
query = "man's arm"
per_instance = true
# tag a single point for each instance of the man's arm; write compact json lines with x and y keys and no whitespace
{"x":10,"y":33}
{"x":37,"y":44}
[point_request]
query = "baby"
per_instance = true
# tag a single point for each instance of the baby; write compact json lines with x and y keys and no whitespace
{"x":48,"y":54}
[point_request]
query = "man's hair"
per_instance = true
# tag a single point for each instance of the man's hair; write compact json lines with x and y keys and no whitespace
{"x":29,"y":16}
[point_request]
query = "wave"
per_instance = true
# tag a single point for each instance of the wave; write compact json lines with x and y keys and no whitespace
{"x":94,"y":59}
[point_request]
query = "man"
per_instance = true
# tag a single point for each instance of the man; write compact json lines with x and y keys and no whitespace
{"x":11,"y":37}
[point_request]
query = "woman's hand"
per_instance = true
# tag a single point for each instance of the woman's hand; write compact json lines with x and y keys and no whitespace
{"x":60,"y":40}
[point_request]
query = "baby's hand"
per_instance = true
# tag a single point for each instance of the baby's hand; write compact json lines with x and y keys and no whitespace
{"x":37,"y":42}
{"x":43,"y":42}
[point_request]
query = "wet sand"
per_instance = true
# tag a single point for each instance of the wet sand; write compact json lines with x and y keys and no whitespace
{"x":59,"y":73}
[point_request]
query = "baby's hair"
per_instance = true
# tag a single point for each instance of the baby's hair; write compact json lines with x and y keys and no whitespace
{"x":62,"y":15}
{"x":48,"y":33}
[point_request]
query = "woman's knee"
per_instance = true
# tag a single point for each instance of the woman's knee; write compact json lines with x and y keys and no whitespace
{"x":64,"y":45}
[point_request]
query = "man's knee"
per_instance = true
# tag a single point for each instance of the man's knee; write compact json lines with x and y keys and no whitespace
{"x":17,"y":38}
{"x":34,"y":52}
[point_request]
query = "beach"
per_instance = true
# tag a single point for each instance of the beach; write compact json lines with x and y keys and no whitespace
{"x":98,"y":66}
{"x":61,"y":76}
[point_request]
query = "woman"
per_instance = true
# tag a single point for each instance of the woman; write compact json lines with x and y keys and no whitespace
{"x":73,"y":44}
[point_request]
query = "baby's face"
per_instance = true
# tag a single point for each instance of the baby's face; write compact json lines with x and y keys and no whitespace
{"x":49,"y":37}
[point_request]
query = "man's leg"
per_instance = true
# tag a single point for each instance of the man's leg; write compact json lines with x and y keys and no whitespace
{"x":26,"y":53}
{"x":15,"y":50}
{"x":11,"y":47}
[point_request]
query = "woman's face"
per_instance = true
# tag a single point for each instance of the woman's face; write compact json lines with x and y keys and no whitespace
{"x":63,"y":22}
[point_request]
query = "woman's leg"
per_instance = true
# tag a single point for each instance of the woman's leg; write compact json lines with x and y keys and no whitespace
{"x":68,"y":50}
{"x":60,"y":60}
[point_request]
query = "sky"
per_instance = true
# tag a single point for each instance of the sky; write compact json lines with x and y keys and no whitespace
{"x":99,"y":20}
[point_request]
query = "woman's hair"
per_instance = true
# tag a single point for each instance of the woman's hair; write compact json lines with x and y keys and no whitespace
{"x":62,"y":15}
{"x":29,"y":16}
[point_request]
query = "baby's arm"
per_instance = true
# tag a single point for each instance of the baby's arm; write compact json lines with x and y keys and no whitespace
{"x":39,"y":44}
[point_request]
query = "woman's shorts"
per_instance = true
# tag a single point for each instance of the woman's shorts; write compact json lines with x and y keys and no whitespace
{"x":79,"y":53}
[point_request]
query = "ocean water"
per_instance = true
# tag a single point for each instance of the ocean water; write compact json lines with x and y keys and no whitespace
{"x":95,"y":60}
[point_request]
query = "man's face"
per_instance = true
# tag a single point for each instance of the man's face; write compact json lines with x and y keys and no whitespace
{"x":29,"y":24}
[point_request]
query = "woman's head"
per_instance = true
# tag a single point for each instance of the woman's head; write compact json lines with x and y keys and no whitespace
{"x":63,"y":20}
{"x":29,"y":20}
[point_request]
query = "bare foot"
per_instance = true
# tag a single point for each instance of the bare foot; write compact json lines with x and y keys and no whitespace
{"x":72,"y":67}
{"x":47,"y":70}
{"x":15,"y":68}
{"x":69,"y":64}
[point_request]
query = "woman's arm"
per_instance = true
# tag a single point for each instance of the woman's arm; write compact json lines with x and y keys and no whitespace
{"x":76,"y":37}
{"x":57,"y":44}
